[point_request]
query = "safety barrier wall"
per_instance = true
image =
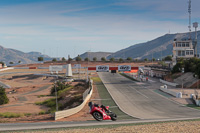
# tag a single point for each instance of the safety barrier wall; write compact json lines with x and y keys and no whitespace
{"x":131,"y":76}
{"x":164,"y":89}
{"x":4,"y":69}
{"x":21,"y":67}
{"x":168,"y":83}
{"x":65,"y":113}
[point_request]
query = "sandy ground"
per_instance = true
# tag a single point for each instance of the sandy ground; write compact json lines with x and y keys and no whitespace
{"x":27,"y":88}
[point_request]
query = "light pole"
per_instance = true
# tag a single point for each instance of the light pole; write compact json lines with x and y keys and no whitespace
{"x":182,"y":80}
{"x":196,"y":93}
{"x":56,"y":94}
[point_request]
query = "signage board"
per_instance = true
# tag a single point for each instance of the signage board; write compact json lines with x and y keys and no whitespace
{"x":102,"y":68}
{"x":124,"y":68}
{"x":55,"y":68}
{"x":77,"y":65}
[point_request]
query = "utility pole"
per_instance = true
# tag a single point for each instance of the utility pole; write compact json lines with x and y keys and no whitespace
{"x":195,"y":25}
{"x":189,"y":11}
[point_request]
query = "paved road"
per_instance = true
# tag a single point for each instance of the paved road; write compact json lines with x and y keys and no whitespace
{"x":138,"y":100}
{"x":47,"y":125}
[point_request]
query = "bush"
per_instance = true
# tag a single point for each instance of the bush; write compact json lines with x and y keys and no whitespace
{"x":10,"y":115}
{"x":59,"y":86}
{"x":3,"y":97}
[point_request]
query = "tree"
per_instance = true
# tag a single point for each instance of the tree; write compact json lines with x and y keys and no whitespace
{"x":103,"y":59}
{"x":70,"y":59}
{"x":153,"y":59}
{"x":2,"y":63}
{"x":11,"y":62}
{"x":40,"y":58}
{"x":54,"y":59}
{"x":129,"y":59}
{"x":59,"y":87}
{"x":112,"y":59}
{"x":86,"y":59}
{"x":95,"y":59}
{"x":168,"y":58}
{"x":63,"y":59}
{"x":3,"y":97}
{"x":145,"y":59}
{"x":19,"y":61}
{"x":121,"y":60}
{"x":78,"y":58}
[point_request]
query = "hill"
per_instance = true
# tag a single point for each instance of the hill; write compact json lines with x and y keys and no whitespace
{"x":98,"y":55}
{"x":157,"y":48}
{"x":8,"y":55}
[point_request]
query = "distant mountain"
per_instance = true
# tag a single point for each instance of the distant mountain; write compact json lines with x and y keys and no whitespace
{"x":98,"y":55}
{"x":11,"y":55}
{"x":157,"y":48}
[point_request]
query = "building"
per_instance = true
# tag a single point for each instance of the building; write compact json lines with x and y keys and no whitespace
{"x":182,"y":49}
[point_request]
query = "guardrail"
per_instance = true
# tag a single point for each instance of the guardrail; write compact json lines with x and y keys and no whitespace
{"x":168,"y":83}
{"x":175,"y":94}
{"x":65,"y":113}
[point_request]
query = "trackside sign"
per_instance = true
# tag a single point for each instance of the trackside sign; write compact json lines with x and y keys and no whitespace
{"x":124,"y":68}
{"x":102,"y":68}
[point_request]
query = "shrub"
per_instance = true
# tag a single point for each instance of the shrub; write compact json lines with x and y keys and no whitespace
{"x":10,"y":115}
{"x":3,"y":97}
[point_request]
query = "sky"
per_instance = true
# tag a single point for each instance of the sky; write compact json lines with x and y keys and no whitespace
{"x":60,"y":28}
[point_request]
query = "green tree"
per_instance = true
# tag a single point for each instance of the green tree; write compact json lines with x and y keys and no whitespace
{"x":19,"y":61}
{"x":153,"y":59}
{"x":78,"y":58}
{"x":129,"y":59}
{"x":40,"y":58}
{"x":2,"y":63}
{"x":95,"y":59}
{"x":168,"y":58}
{"x":54,"y":59}
{"x":86,"y":59}
{"x":103,"y":59}
{"x":70,"y":59}
{"x":11,"y":62}
{"x":63,"y":59}
{"x":121,"y":60}
{"x":112,"y":59}
{"x":145,"y":59}
{"x":59,"y":87}
{"x":3,"y":97}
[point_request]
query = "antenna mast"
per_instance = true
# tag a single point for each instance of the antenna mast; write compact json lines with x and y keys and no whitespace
{"x":189,"y":11}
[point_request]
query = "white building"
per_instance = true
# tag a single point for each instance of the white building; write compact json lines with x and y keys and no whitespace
{"x":182,"y":49}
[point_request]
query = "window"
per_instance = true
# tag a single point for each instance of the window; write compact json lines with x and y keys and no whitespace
{"x":176,"y":45}
{"x":183,"y":44}
{"x":191,"y":52}
{"x":183,"y":53}
{"x":187,"y":44}
{"x":187,"y":52}
{"x":179,"y":53}
{"x":179,"y":44}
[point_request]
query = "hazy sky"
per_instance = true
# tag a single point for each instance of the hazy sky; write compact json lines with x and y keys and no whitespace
{"x":71,"y":27}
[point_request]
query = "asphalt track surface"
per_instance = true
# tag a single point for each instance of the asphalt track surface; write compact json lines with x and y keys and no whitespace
{"x":138,"y":100}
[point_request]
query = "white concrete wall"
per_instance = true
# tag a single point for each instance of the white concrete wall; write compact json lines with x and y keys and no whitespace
{"x":164,"y":89}
{"x":4,"y":69}
{"x":66,"y":113}
{"x":168,"y":83}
